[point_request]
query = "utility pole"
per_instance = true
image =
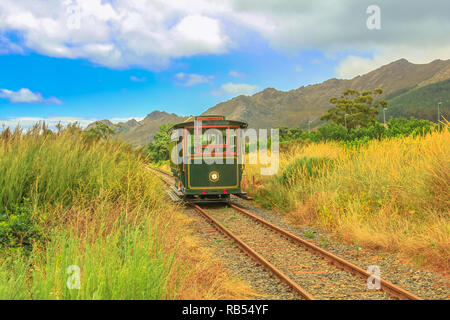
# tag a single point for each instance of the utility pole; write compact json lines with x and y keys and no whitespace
{"x":439,"y":113}
{"x":384,"y":116}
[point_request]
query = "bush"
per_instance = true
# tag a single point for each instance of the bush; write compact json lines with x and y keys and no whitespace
{"x":18,"y":229}
{"x":375,"y":131}
{"x":332,"y":131}
{"x":158,"y":150}
{"x":304,"y":168}
{"x":396,"y":127}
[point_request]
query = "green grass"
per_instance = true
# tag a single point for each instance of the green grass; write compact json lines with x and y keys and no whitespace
{"x":309,"y":234}
{"x":73,"y":199}
{"x":129,"y":264}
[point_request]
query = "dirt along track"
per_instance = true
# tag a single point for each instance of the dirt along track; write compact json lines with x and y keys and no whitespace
{"x":309,"y":271}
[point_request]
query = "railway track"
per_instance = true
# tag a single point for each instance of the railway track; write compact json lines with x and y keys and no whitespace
{"x":307,"y":269}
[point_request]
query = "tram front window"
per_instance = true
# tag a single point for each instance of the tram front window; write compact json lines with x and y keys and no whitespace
{"x":211,"y":141}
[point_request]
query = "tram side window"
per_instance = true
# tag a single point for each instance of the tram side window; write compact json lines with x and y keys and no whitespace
{"x":190,"y":141}
{"x":175,"y":146}
{"x":232,"y":144}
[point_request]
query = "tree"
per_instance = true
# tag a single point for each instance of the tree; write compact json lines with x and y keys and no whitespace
{"x":355,"y":109}
{"x":101,"y":130}
{"x":158,"y":149}
{"x":288,"y":134}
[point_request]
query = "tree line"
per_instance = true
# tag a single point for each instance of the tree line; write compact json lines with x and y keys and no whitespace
{"x":353,"y":119}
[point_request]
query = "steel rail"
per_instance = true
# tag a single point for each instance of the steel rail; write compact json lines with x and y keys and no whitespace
{"x":333,"y":259}
{"x":161,"y":171}
{"x":252,"y":253}
{"x":386,"y":286}
{"x":260,"y":259}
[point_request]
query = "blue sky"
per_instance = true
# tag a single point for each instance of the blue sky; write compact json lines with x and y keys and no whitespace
{"x":87,"y":60}
{"x":91,"y":91}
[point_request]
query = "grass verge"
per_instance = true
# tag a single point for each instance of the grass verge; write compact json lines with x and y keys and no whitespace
{"x":392,"y":195}
{"x":74,"y":202}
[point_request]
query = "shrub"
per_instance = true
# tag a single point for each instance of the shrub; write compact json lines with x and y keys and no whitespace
{"x":18,"y":228}
{"x":396,"y":127}
{"x":403,"y":127}
{"x":158,"y":149}
{"x":332,"y":131}
{"x":304,"y":168}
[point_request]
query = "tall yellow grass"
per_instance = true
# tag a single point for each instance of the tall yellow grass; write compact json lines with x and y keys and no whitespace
{"x":392,"y":195}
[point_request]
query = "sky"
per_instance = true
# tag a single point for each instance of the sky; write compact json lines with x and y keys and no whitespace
{"x":85,"y":60}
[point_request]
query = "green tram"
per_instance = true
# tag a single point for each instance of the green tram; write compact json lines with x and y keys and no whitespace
{"x":207,"y":156}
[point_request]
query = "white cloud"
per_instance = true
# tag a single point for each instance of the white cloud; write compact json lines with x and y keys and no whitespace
{"x":191,"y":79}
{"x":352,"y":65}
{"x":236,"y":74}
{"x":415,"y":30}
{"x":236,"y":89}
{"x":25,"y":95}
{"x":28,"y":122}
{"x":117,"y":34}
{"x":149,"y":33}
{"x":7,"y":46}
{"x":198,"y":34}
{"x":117,"y":120}
{"x":138,"y":79}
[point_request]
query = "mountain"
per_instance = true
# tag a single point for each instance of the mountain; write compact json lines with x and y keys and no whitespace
{"x":422,"y":102}
{"x":411,"y":90}
{"x":271,"y":107}
{"x":107,"y":122}
{"x":143,"y":131}
{"x":139,"y":133}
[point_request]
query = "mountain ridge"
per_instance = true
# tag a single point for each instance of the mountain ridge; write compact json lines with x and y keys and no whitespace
{"x":303,"y":106}
{"x":297,"y":107}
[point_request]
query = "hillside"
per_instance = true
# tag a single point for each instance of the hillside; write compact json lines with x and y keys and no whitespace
{"x":143,"y":131}
{"x":271,"y":107}
{"x":139,"y":133}
{"x":422,"y":102}
{"x":411,"y":90}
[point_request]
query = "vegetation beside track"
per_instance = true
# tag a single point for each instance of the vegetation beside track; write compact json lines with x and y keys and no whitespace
{"x":76,"y":198}
{"x":394,"y":128}
{"x":390,"y":194}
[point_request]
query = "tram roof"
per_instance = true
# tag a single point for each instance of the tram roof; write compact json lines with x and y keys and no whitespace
{"x":209,"y":121}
